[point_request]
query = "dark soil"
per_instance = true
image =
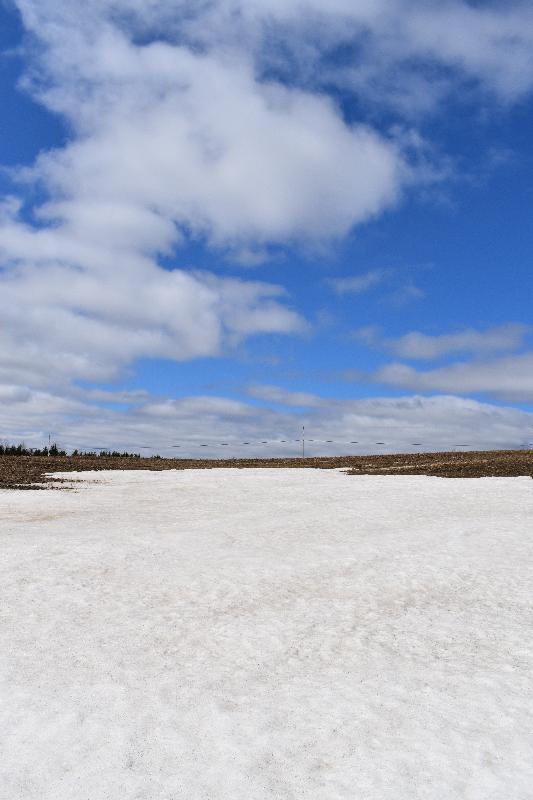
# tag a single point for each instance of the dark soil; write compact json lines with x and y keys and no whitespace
{"x":27,"y":472}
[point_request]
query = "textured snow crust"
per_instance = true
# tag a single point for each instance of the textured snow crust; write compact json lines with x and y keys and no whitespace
{"x":244,"y":635}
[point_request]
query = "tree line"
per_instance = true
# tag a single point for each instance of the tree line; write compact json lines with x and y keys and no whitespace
{"x":54,"y":451}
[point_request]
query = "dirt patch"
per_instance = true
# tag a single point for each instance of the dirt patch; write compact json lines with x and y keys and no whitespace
{"x":28,"y":472}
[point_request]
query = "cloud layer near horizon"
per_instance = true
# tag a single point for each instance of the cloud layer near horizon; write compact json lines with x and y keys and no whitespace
{"x":155,"y":425}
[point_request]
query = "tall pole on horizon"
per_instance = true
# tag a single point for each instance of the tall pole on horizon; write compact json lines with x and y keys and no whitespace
{"x":303,"y":441}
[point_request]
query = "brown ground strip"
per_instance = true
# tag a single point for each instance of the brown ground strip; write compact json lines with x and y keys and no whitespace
{"x":29,"y":472}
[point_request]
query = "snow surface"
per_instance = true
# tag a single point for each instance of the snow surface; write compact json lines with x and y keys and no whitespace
{"x":240,"y":635}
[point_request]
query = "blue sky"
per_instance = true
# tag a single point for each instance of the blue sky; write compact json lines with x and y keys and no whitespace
{"x":222,"y":222}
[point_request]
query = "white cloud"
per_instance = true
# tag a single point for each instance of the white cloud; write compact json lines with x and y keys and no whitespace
{"x":200,"y":411}
{"x":397,"y":39}
{"x":407,"y":293}
{"x":127,"y":397}
{"x":184,"y":131}
{"x":280,"y":396}
{"x":169,"y":136}
{"x":357,"y":284}
{"x":167,"y":141}
{"x":509,"y":378}
{"x":66,"y":322}
{"x":178,"y":128}
{"x":398,"y":45}
{"x":416,"y":345}
{"x":439,"y":423}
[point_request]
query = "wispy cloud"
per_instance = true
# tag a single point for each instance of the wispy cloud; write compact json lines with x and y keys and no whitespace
{"x":409,"y":292}
{"x":281,"y":396}
{"x":357,"y":284}
{"x":421,"y":346}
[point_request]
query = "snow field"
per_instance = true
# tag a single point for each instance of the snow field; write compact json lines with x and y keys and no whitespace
{"x":254,"y":634}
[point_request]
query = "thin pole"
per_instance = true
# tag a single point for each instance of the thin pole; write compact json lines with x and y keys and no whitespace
{"x":303,"y":441}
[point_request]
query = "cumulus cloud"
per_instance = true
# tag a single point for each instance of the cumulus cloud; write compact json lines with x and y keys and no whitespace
{"x":65,"y":322}
{"x":172,"y":138}
{"x":168,"y":140}
{"x":181,"y":124}
{"x":416,"y":345}
{"x":402,"y":51}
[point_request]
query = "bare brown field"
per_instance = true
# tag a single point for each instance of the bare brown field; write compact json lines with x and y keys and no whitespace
{"x":29,"y":472}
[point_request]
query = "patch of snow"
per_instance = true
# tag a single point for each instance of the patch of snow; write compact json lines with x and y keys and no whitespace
{"x":254,"y":634}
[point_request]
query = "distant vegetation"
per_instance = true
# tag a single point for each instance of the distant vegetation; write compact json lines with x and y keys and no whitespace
{"x":22,"y":450}
{"x":54,"y":450}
